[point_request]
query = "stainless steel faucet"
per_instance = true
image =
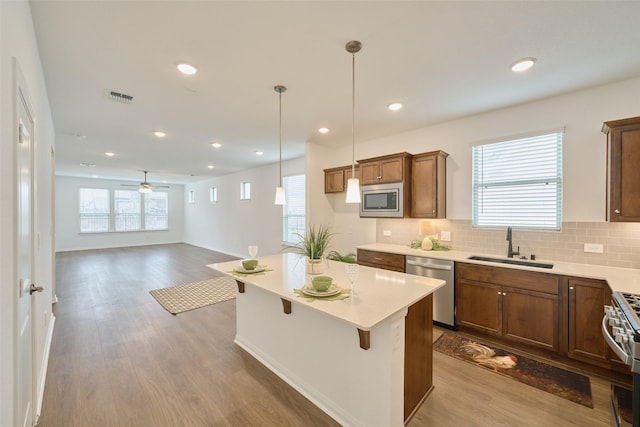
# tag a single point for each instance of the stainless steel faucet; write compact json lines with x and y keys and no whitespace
{"x":510,"y":252}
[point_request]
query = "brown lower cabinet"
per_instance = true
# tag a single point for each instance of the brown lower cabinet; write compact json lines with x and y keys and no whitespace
{"x":516,"y":305}
{"x":558,"y":317}
{"x":384,"y":260}
{"x":587,"y":299}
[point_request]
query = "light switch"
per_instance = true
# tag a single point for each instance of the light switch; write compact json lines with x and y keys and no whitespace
{"x":445,"y":236}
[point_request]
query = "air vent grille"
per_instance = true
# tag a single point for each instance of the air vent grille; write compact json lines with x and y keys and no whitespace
{"x":121,"y":97}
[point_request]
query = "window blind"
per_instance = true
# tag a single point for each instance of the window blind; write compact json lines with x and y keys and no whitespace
{"x":94,"y":210}
{"x":518,"y":183}
{"x":293,"y":218}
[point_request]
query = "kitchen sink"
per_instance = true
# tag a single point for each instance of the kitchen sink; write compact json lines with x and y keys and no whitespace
{"x":511,"y":261}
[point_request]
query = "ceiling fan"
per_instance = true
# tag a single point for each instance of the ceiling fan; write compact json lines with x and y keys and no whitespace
{"x":144,"y":186}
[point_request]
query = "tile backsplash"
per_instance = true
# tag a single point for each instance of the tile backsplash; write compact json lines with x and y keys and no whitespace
{"x":620,"y":241}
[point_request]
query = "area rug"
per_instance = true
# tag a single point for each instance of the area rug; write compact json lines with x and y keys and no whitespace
{"x":557,"y":381}
{"x":189,"y":296}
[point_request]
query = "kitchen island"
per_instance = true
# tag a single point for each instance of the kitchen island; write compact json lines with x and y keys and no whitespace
{"x":365,"y":360}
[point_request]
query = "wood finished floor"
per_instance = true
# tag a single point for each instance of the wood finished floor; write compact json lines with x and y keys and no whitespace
{"x":119,"y":359}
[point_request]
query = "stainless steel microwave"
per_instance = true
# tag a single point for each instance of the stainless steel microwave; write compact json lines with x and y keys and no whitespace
{"x":382,"y":200}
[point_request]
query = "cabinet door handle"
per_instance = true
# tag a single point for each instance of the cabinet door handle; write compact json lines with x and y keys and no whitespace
{"x":617,"y":211}
{"x":377,"y":259}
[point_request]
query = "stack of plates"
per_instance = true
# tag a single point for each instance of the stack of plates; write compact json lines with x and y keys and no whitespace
{"x":333,"y":290}
{"x":243,"y":270}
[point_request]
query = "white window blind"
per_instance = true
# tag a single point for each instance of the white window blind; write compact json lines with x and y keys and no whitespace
{"x":519,"y":183}
{"x":156,"y":211}
{"x":245,"y":190}
{"x":126,"y":204}
{"x":94,"y":210}
{"x":293,"y":218}
{"x":107,"y":210}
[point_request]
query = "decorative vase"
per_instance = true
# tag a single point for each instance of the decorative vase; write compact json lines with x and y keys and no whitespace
{"x":314,"y":266}
{"x":427,"y":244}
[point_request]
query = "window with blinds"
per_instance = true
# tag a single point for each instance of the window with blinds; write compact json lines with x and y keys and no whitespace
{"x":104,"y":210}
{"x":518,"y":183}
{"x":293,"y":217}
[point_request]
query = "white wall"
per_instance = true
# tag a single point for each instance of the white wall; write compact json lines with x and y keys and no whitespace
{"x":68,"y":237}
{"x":17,"y":40}
{"x":231,"y":224}
{"x":582,"y":113}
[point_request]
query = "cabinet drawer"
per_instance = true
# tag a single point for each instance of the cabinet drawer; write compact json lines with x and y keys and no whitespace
{"x":522,"y":279}
{"x":381,"y":259}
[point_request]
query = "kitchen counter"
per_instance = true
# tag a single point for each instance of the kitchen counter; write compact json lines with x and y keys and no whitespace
{"x":619,"y":279}
{"x":347,"y":356}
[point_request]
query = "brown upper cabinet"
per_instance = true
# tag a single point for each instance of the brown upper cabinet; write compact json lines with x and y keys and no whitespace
{"x":391,"y":168}
{"x":623,"y":164}
{"x":429,"y":185}
{"x":335,"y":179}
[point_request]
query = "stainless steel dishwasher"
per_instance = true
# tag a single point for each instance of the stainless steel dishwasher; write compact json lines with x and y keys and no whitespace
{"x":444,"y":304}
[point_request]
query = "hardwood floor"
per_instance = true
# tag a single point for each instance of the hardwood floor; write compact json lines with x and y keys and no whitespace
{"x":119,"y":359}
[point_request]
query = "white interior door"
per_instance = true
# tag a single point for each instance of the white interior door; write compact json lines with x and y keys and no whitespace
{"x":24,"y":355}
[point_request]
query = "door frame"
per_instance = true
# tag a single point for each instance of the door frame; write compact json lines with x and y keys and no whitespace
{"x":21,"y":96}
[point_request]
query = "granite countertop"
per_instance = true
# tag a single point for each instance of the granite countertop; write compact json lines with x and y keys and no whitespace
{"x":379,"y":293}
{"x":619,"y":279}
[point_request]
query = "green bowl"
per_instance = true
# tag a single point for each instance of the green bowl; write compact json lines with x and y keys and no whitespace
{"x":249,"y":264}
{"x":321,"y":283}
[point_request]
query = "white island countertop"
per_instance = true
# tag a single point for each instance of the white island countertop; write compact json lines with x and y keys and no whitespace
{"x":619,"y":279}
{"x":379,"y":293}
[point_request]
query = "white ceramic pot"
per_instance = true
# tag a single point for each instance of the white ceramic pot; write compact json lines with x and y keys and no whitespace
{"x":314,"y":266}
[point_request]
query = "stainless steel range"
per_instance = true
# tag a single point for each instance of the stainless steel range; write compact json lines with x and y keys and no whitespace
{"x":623,"y":316}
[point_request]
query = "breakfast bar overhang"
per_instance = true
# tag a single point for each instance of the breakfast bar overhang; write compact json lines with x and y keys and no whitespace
{"x":365,"y":360}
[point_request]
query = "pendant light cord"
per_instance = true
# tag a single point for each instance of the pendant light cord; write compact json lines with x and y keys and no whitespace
{"x":280,"y":124}
{"x":353,"y":115}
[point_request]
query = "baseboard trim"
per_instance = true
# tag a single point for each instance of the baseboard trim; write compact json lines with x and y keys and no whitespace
{"x":45,"y":366}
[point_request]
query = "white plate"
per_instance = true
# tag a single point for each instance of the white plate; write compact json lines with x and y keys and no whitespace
{"x":333,"y":290}
{"x":242,"y":270}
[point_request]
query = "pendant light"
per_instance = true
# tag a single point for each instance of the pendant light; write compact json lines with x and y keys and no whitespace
{"x":280,"y":197}
{"x":353,"y":184}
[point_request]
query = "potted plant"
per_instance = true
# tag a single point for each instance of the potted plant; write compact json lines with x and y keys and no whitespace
{"x":349,"y":258}
{"x":313,"y":245}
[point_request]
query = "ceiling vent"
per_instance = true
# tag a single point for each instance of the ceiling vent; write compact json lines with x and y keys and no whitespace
{"x":121,"y":97}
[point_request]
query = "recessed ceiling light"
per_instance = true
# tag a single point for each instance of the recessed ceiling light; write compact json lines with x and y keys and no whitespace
{"x":88,"y":165}
{"x":323,"y":130}
{"x":523,"y":64}
{"x":395,"y":106}
{"x":216,"y":145}
{"x":159,"y":134}
{"x":210,"y":166}
{"x":259,"y":153}
{"x":188,"y":69}
{"x":109,"y":154}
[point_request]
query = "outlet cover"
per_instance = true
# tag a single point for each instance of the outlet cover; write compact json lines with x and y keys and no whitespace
{"x":596,"y":248}
{"x":386,"y":232}
{"x":445,"y":236}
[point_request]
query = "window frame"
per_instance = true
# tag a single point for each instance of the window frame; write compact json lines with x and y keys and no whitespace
{"x":112,"y":214}
{"x":290,"y":204}
{"x":515,"y":176}
{"x":245,"y":190}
